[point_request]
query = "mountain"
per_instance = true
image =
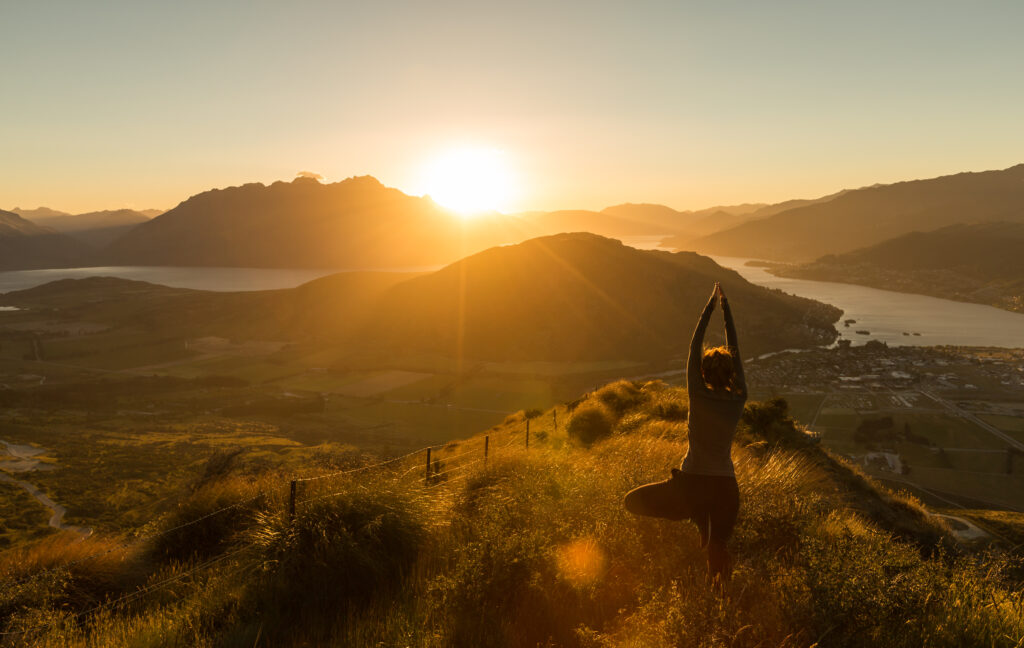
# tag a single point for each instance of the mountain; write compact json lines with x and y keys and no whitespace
{"x":39,"y":214}
{"x":687,"y":224}
{"x":579,"y":220}
{"x":356,"y":223}
{"x":94,"y":228}
{"x":864,"y":217}
{"x":584,"y":297}
{"x":564,"y":297}
{"x":981,"y":263}
{"x":25,"y":245}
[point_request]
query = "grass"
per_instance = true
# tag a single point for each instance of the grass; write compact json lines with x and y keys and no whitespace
{"x":534,"y":548}
{"x":22,"y":518}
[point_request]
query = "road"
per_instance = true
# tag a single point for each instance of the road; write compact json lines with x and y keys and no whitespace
{"x":955,"y":409}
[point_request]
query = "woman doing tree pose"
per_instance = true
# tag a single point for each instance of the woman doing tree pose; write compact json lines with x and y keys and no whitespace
{"x":704,"y":488}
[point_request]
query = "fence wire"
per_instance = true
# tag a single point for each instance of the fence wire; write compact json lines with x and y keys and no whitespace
{"x":451,"y":474}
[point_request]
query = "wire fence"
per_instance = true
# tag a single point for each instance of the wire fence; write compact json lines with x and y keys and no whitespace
{"x":437,"y":469}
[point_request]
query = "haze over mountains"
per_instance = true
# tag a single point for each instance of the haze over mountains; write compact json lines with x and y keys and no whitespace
{"x":361,"y":224}
{"x":564,"y":297}
{"x":96,"y":229}
{"x":25,"y":245}
{"x":981,"y":263}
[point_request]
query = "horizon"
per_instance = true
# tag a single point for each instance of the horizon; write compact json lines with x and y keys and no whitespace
{"x":590,"y":106}
{"x":327,"y":181}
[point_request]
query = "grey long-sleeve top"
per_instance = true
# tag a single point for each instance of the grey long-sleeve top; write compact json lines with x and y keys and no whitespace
{"x":713,"y":413}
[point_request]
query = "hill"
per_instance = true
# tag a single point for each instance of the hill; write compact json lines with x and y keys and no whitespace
{"x":864,"y":217}
{"x":564,"y":297}
{"x":530,"y":547}
{"x":94,"y":228}
{"x":25,"y":245}
{"x":980,"y":263}
{"x":581,"y":296}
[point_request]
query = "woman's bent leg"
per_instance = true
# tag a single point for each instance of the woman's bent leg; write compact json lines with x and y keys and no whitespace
{"x":665,"y":499}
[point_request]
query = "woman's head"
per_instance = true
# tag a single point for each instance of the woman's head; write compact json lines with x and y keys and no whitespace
{"x":717,"y":368}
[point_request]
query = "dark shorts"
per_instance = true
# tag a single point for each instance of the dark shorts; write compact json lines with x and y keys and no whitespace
{"x":710,"y":501}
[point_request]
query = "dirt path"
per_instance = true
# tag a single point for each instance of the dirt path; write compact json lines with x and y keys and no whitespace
{"x":25,"y":461}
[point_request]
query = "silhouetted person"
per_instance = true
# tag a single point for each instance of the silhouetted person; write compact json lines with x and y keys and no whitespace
{"x":704,"y":488}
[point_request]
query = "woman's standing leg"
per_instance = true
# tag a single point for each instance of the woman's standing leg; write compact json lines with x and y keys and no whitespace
{"x":723,"y":513}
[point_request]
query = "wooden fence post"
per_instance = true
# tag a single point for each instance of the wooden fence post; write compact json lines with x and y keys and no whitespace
{"x":427,"y":478}
{"x":527,"y":434}
{"x":554,"y":417}
{"x":487,"y":443}
{"x":291,"y":501}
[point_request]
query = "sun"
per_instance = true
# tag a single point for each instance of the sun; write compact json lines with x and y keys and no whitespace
{"x":469,"y":180}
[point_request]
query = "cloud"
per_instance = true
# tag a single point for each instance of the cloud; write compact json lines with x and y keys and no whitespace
{"x":309,"y":174}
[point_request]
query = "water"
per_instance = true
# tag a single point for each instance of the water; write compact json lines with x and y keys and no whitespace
{"x":216,"y":279}
{"x":888,"y":314}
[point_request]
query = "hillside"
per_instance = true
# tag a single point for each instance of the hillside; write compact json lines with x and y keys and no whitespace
{"x":564,"y":297}
{"x":863,"y":217}
{"x":982,"y":263}
{"x":25,"y":245}
{"x":582,"y":296}
{"x":333,"y":307}
{"x":530,"y":547}
{"x":93,"y":228}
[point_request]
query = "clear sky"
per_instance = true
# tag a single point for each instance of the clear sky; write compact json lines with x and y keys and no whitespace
{"x":142,"y":104}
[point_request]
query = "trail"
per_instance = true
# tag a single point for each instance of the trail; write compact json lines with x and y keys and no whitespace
{"x":26,"y":461}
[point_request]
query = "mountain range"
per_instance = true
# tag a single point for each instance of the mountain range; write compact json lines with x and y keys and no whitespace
{"x":25,"y":245}
{"x":863,"y":217}
{"x":96,"y":229}
{"x":361,"y":224}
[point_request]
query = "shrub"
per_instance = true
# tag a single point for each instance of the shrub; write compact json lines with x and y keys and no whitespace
{"x":620,"y":396}
{"x":590,"y":422}
{"x":206,"y":522}
{"x":669,"y":405}
{"x":343,"y":548}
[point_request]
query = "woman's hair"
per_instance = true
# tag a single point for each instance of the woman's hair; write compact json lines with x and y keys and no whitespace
{"x":717,"y":368}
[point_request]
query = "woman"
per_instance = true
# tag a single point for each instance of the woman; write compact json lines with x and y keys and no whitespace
{"x":704,"y":488}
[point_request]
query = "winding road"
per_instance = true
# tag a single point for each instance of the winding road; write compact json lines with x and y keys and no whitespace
{"x":26,"y":461}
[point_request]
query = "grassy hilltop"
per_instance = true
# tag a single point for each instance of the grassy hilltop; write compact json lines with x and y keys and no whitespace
{"x":530,"y":548}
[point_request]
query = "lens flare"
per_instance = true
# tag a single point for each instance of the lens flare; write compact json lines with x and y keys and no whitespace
{"x":581,"y":562}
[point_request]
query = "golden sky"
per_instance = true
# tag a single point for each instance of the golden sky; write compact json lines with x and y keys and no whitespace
{"x":136,"y":104}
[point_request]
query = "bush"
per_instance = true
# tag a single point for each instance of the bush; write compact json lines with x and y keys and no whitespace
{"x":344,"y":548}
{"x":620,"y":396}
{"x":199,"y":528}
{"x":590,"y":422}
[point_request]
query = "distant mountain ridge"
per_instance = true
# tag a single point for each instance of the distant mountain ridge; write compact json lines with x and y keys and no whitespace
{"x":981,"y":263}
{"x":25,"y":245}
{"x":356,"y":223}
{"x":96,"y":229}
{"x":863,"y":217}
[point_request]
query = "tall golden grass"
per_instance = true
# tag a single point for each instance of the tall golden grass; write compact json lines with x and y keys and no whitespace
{"x":534,"y":548}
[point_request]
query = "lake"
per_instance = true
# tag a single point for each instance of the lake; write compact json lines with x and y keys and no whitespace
{"x":888,"y":314}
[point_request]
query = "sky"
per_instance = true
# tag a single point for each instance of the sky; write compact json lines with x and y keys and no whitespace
{"x":690,"y":104}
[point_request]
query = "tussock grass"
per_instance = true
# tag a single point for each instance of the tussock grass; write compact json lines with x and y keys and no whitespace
{"x":534,"y":548}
